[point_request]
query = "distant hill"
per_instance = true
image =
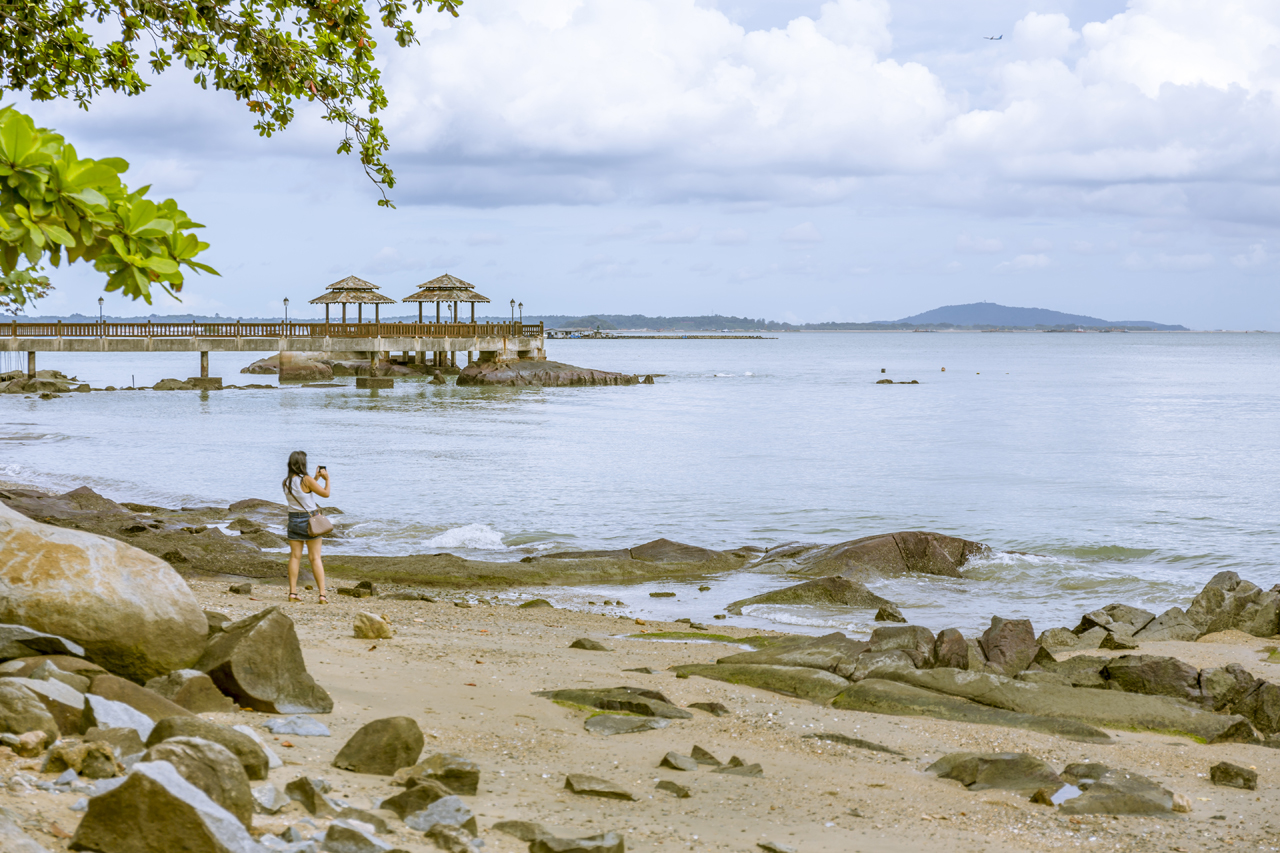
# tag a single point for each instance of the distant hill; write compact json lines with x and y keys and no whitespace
{"x":993,"y":315}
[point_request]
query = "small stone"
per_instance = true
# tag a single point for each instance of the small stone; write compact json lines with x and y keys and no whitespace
{"x":241,"y":589}
{"x":704,"y":588}
{"x":450,"y":811}
{"x":774,"y":847}
{"x":377,"y":821}
{"x":676,"y":761}
{"x":94,"y":760}
{"x":268,"y":799}
{"x":345,"y":836}
{"x":537,"y":602}
{"x":676,"y":788}
{"x":715,"y":709}
{"x":415,"y":799}
{"x":609,"y":842}
{"x":457,"y":774}
{"x":371,"y":626}
{"x":31,"y":744}
{"x":193,"y":690}
{"x":1181,"y":803}
{"x":1116,"y":642}
{"x":618,"y":724}
{"x":593,"y":786}
{"x":1042,"y":797}
{"x":662,"y":595}
{"x":311,"y":794}
{"x":647,"y":670}
{"x":451,"y":838}
{"x":353,"y":592}
{"x":382,"y":747}
{"x":740,"y":769}
{"x":368,"y":585}
{"x":588,"y":644}
{"x":889,"y":612}
{"x":1233,"y":776}
{"x":298,"y":725}
{"x":701,"y":756}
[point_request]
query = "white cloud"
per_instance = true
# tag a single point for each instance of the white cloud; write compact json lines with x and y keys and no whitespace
{"x":1040,"y":244}
{"x":731,"y":236}
{"x":986,"y":245}
{"x":1184,"y":263}
{"x":1255,"y":257}
{"x":1044,"y":36}
{"x":805,"y":232}
{"x":1023,"y":263}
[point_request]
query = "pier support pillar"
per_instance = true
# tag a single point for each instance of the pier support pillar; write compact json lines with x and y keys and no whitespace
{"x":31,"y":364}
{"x":373,"y":362}
{"x":453,"y":359}
{"x":204,"y":364}
{"x":420,"y":357}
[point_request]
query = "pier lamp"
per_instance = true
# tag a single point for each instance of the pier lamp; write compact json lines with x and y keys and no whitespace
{"x":513,"y":310}
{"x":286,"y":309}
{"x":521,"y":307}
{"x":99,"y":309}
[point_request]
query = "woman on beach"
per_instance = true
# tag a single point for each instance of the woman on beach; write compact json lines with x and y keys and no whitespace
{"x":300,"y":491}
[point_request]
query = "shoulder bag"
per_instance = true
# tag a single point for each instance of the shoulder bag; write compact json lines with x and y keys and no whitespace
{"x":319,"y":524}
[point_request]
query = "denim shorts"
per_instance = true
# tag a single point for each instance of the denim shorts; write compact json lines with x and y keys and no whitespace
{"x":297,"y":527}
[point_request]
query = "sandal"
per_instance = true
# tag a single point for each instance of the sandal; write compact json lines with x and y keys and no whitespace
{"x":293,"y":596}
{"x":324,"y":599}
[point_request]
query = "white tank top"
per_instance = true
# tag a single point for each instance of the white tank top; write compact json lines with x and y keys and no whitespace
{"x":300,"y":501}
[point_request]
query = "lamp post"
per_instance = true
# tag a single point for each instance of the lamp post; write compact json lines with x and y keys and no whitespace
{"x":100,"y":310}
{"x":521,"y":307}
{"x":513,"y":310}
{"x":286,"y":310}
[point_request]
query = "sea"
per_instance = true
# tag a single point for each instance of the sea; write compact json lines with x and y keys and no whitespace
{"x":1099,"y":467}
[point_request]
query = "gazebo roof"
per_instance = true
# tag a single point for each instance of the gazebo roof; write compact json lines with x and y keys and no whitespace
{"x":446,"y":288}
{"x":352,"y":290}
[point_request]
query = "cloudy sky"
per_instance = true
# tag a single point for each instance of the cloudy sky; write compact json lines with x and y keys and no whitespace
{"x":852,"y":160}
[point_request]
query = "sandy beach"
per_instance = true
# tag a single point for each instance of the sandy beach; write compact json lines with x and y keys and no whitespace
{"x":467,"y":675}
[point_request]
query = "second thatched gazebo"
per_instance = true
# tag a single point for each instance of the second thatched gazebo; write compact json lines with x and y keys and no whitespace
{"x":446,"y":288}
{"x":352,"y":291}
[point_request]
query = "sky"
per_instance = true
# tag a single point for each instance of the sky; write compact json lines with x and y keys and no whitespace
{"x":803,"y":161}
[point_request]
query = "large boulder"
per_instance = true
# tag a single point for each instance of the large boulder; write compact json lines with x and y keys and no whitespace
{"x":258,"y":662}
{"x":132,"y":613}
{"x":1261,"y":706}
{"x":527,"y":373}
{"x":21,"y":711}
{"x":213,"y":769}
{"x":1222,"y":687}
{"x":1155,"y":676}
{"x":251,"y":755}
{"x":1172,"y":624}
{"x":193,"y":690}
{"x":1006,"y":771}
{"x":137,"y":697}
{"x":1009,"y":644}
{"x":666,"y":551}
{"x":916,"y":640}
{"x":800,"y":681}
{"x":382,"y":747}
{"x":155,"y":810}
{"x":822,"y":592}
{"x":833,"y":652}
{"x":1228,"y":602}
{"x":912,"y":551}
{"x":1120,"y":792}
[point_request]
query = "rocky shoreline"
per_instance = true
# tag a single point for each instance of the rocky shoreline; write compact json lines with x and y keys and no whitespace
{"x":141,"y":711}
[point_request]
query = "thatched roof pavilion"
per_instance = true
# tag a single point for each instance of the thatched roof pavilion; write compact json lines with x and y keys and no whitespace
{"x":356,"y":291}
{"x":446,"y":288}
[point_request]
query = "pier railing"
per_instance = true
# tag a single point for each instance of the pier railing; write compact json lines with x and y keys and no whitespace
{"x":274,"y":330}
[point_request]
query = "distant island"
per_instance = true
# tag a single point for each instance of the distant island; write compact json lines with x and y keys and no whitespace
{"x":974,"y":316}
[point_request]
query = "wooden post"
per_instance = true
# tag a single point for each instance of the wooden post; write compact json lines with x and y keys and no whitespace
{"x":376,"y":313}
{"x":31,"y":364}
{"x":453,"y":359}
{"x":437,"y":312}
{"x":359,"y":312}
{"x":419,"y":312}
{"x":344,"y":313}
{"x":204,"y":364}
{"x":473,"y":315}
{"x":326,"y":313}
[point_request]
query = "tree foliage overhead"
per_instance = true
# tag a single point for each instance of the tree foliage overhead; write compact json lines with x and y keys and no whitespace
{"x":55,"y":204}
{"x":269,"y":53}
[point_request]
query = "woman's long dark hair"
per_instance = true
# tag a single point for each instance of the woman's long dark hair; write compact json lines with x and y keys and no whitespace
{"x":297,"y":468}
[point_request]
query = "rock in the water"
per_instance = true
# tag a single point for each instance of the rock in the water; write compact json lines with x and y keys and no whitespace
{"x":617,"y":724}
{"x":450,"y":811}
{"x":193,"y":690}
{"x":251,"y":756}
{"x":457,"y":774}
{"x":814,"y":684}
{"x":1120,"y":792}
{"x":298,"y":725}
{"x":676,"y":761}
{"x":666,"y":551}
{"x":311,"y":793}
{"x":139,"y":698}
{"x":593,"y":786}
{"x":382,"y":747}
{"x":528,"y":373}
{"x":1172,"y":624}
{"x":878,"y":696}
{"x":258,"y":662}
{"x":132,"y":613}
{"x":268,"y":799}
{"x":371,"y":626}
{"x":833,"y":653}
{"x":588,"y":644}
{"x":609,"y":842}
{"x":822,"y":591}
{"x":1009,"y":644}
{"x":1233,"y":776}
{"x":416,"y":798}
{"x":890,"y":613}
{"x":634,"y":700}
{"x":212,"y":768}
{"x":882,"y":555}
{"x":715,"y":709}
{"x":1155,"y":676}
{"x":1008,"y":771}
{"x":154,"y":810}
{"x":680,"y":791}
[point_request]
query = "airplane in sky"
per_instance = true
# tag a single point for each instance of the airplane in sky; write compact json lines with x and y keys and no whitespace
{"x":994,"y":38}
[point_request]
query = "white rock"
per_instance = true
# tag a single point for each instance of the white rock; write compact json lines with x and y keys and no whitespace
{"x":110,"y":714}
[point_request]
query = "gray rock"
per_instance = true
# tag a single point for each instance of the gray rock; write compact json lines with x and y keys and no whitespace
{"x":1007,"y":771}
{"x":377,"y":821}
{"x":457,"y":774}
{"x":1009,"y":644}
{"x":878,"y":696}
{"x":593,"y":786}
{"x":371,"y":626}
{"x":737,"y":767}
{"x":66,"y":704}
{"x":212,"y":768}
{"x":951,"y":649}
{"x":889,"y":613}
{"x":450,"y":811}
{"x":846,"y":740}
{"x":12,"y":837}
{"x":1084,"y":773}
{"x":1081,"y":670}
{"x":821,"y":591}
{"x":617,"y":724}
{"x":268,"y":799}
{"x":344,"y":836}
{"x":680,"y":791}
{"x":915,"y":640}
{"x":534,"y":603}
{"x":241,"y":589}
{"x":880,"y":555}
{"x":451,"y":839}
{"x":702,"y":756}
{"x":588,"y":644}
{"x":193,"y":690}
{"x":1134,"y":617}
{"x":19,"y":641}
{"x":715,"y":709}
{"x":92,"y":760}
{"x":609,"y":842}
{"x":634,"y":700}
{"x":1119,"y":792}
{"x":273,"y":760}
{"x":382,"y":747}
{"x":48,"y":670}
{"x":1118,"y":641}
{"x":155,"y":809}
{"x":774,"y":847}
{"x":298,"y":725}
{"x":1261,"y":706}
{"x":123,"y":742}
{"x":311,"y":793}
{"x":415,"y":799}
{"x":1155,"y":676}
{"x":110,"y":714}
{"x":145,"y":701}
{"x":250,"y":754}
{"x":1172,"y":624}
{"x":814,"y":684}
{"x":1233,"y":776}
{"x":1092,"y":639}
{"x":1058,"y":639}
{"x":1223,"y":687}
{"x":676,"y":761}
{"x":525,"y":830}
{"x":880,"y":664}
{"x":258,"y":663}
{"x":833,"y":653}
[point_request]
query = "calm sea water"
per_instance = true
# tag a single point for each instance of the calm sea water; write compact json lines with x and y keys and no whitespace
{"x":1130,"y":467}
